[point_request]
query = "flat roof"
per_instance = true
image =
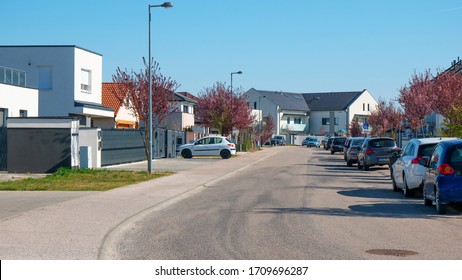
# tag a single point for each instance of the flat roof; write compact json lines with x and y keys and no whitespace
{"x":49,"y":46}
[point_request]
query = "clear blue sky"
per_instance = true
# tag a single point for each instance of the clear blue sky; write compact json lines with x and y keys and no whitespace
{"x":296,"y":46}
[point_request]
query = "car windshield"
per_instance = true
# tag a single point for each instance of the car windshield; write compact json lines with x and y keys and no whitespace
{"x":357,"y":142}
{"x":382,"y":143}
{"x":426,"y":150}
{"x":339,"y":140}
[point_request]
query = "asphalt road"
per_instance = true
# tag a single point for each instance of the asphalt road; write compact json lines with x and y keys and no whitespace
{"x":297,"y":204}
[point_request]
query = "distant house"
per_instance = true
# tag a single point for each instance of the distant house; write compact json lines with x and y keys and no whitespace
{"x":67,"y":77}
{"x":16,"y":98}
{"x":182,"y":117}
{"x":124,"y":117}
{"x":321,"y":113}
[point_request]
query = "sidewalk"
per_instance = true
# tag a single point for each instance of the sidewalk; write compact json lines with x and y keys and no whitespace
{"x":87,"y":226}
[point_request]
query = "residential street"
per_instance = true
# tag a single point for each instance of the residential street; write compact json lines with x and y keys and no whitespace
{"x":297,"y":204}
{"x":279,"y":203}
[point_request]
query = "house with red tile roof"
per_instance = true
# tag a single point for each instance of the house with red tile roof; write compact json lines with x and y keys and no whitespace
{"x":180,"y":119}
{"x":113,"y":98}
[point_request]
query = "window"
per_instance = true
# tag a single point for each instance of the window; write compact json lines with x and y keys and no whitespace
{"x":2,"y":117}
{"x":45,"y":77}
{"x":86,"y":81}
{"x":368,"y":107}
{"x":326,"y":121}
{"x":297,"y":120}
{"x":255,"y":105}
{"x":364,"y":106}
{"x":185,"y":109}
{"x":288,"y":120}
{"x":23,"y":113}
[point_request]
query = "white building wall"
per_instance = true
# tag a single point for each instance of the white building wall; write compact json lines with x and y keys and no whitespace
{"x":16,"y":98}
{"x":65,"y":63}
{"x":364,"y":105}
{"x":85,"y":60}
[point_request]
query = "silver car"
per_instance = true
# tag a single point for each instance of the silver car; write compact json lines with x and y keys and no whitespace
{"x":208,"y":146}
{"x":406,"y":172}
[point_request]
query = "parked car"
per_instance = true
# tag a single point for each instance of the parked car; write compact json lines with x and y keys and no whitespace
{"x":376,"y":151}
{"x":328,"y":143}
{"x":208,"y":146}
{"x":406,"y":172}
{"x":311,"y":142}
{"x":337,"y":144}
{"x":278,"y":141}
{"x":443,"y":176}
{"x":351,"y":153}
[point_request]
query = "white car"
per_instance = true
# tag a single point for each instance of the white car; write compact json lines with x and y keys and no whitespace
{"x":208,"y":146}
{"x":406,"y":172}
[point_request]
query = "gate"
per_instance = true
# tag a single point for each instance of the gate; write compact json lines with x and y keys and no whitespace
{"x":3,"y":148}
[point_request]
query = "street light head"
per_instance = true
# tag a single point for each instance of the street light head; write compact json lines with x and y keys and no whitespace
{"x":239,"y":72}
{"x":167,"y":5}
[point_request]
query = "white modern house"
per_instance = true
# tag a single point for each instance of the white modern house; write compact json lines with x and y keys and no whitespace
{"x":16,"y":99}
{"x":321,"y":113}
{"x":68,"y":79}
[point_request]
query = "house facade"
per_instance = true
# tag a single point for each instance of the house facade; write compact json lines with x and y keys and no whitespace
{"x":68,"y":79}
{"x":16,"y":99}
{"x":323,"y":113}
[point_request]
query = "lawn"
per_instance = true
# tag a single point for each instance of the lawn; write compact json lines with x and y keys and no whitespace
{"x":81,"y":180}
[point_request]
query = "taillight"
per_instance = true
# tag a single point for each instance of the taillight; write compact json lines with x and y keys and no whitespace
{"x":446,"y":169}
{"x":416,"y":160}
{"x":369,"y":151}
{"x":231,"y":145}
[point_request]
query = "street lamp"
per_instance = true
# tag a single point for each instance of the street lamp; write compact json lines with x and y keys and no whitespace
{"x":164,"y":5}
{"x":232,"y":73}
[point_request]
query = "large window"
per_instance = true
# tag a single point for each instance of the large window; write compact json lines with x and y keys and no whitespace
{"x":86,"y":81}
{"x":297,"y":120}
{"x":12,"y":77}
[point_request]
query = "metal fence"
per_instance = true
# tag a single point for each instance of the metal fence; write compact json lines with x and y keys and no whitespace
{"x":123,"y":146}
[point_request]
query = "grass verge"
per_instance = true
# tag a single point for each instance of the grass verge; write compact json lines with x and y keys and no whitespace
{"x":66,"y":179}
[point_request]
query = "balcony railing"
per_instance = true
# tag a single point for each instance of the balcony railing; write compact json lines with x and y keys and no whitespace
{"x":11,"y":76}
{"x":294,"y":127}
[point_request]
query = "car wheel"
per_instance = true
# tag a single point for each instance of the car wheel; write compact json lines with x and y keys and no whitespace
{"x":359,"y":164}
{"x":427,"y":202}
{"x":225,"y":154}
{"x":366,"y":167}
{"x":406,"y":191}
{"x":186,"y":153}
{"x":349,"y":163}
{"x":440,"y":207}
{"x":332,"y":152}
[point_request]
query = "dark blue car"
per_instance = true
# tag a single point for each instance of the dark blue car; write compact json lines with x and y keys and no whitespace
{"x":443,"y":178}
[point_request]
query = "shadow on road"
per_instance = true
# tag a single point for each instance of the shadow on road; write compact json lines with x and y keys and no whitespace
{"x":374,"y":210}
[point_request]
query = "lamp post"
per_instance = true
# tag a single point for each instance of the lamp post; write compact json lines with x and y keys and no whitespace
{"x":232,"y":73}
{"x":164,"y":5}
